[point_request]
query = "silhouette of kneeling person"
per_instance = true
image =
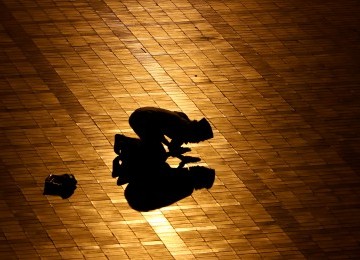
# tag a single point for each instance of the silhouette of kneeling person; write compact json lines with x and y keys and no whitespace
{"x":142,"y":161}
{"x":153,"y":125}
{"x":169,"y":185}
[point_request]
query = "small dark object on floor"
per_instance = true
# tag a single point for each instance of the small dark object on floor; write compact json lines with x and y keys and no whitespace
{"x":62,"y":185}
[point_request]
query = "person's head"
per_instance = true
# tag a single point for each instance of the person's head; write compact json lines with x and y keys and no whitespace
{"x":200,"y":131}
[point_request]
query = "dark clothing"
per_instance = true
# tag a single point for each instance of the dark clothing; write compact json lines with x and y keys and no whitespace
{"x":151,"y":124}
{"x":138,"y":157}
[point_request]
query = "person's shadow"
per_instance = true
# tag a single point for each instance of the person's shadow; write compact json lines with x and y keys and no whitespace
{"x":151,"y":182}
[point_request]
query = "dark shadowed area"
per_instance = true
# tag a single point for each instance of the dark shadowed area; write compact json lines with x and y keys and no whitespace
{"x":277,"y":81}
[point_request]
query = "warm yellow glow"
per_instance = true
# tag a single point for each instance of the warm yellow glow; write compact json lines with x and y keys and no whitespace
{"x":166,"y":233}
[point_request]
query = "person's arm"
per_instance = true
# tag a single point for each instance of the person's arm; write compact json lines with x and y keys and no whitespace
{"x":175,"y":144}
{"x":176,"y":150}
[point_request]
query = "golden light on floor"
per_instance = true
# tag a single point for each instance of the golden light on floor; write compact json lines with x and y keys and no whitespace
{"x":166,"y":233}
{"x":265,"y":73}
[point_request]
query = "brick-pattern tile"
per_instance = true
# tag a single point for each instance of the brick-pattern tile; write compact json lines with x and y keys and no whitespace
{"x":277,"y":80}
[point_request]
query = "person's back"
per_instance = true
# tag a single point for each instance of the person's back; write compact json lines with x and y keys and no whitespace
{"x":152,"y":124}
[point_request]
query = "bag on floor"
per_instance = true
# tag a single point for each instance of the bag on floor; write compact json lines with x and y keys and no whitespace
{"x":62,"y":185}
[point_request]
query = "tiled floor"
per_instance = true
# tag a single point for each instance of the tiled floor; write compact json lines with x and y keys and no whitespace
{"x":278,"y":80}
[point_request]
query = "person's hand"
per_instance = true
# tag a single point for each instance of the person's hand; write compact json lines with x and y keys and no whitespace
{"x":187,"y":159}
{"x":177,"y":151}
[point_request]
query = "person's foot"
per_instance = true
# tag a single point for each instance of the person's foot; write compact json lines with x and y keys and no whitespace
{"x":116,"y":167}
{"x":120,"y":172}
{"x":119,"y":140}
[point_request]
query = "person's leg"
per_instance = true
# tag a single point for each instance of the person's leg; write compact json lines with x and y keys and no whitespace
{"x":150,"y":137}
{"x":140,"y":124}
{"x":123,"y":142}
{"x":154,"y":152}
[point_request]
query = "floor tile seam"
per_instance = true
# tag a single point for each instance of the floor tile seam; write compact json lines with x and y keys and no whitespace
{"x":165,"y":71}
{"x":284,"y":212}
{"x":31,"y":216}
{"x":167,"y":244}
{"x":146,"y":65}
{"x":269,"y":77}
{"x":20,"y":37}
{"x":273,"y":78}
{"x":40,"y":63}
{"x":49,"y":76}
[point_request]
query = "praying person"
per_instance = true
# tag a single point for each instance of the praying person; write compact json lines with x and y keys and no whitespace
{"x":154,"y":125}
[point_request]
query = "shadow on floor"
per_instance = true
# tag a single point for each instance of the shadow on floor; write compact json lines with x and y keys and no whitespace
{"x":151,"y":182}
{"x":167,"y":187}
